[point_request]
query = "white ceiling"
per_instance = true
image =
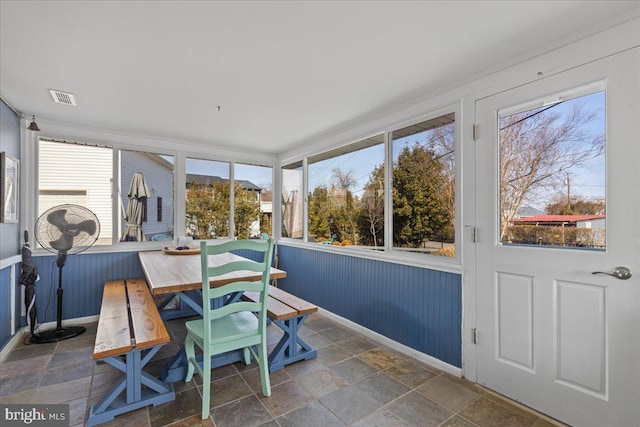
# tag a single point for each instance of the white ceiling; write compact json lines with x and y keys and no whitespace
{"x":281,"y":72}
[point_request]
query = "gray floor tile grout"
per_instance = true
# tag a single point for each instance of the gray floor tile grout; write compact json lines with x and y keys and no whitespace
{"x":340,"y":343}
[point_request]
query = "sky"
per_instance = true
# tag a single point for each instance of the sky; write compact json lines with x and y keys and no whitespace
{"x":259,"y":175}
{"x":586,"y":181}
{"x":361,"y":163}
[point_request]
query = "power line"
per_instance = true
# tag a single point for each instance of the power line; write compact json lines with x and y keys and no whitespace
{"x":531,"y":115}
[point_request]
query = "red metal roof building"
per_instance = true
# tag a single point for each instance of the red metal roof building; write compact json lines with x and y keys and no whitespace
{"x":557,"y":220}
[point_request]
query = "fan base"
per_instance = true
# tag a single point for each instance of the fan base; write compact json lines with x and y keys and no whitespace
{"x":55,"y":335}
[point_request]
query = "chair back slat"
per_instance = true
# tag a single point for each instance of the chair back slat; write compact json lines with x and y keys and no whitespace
{"x":237,"y":245}
{"x":234,"y":308}
{"x":236,"y":266}
{"x":214,"y":297}
{"x":234,"y":287}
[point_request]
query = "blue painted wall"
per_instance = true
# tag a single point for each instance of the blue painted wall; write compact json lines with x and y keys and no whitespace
{"x":9,"y":232}
{"x":5,"y":306}
{"x":83,"y":279}
{"x":10,"y":144}
{"x":417,"y":307}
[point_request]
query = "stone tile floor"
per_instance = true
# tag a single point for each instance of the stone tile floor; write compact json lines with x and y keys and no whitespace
{"x":354,"y":381}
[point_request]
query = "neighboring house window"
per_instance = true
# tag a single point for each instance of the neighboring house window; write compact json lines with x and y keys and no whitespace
{"x":144,"y":210}
{"x":159,"y":211}
{"x":346,"y":195}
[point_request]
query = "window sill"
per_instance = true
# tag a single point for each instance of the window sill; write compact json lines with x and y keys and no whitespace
{"x":397,"y":257}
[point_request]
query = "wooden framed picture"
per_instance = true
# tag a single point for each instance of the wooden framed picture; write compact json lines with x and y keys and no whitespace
{"x":9,"y":181}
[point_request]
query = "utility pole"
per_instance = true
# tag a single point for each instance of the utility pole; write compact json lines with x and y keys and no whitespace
{"x":567,"y":181}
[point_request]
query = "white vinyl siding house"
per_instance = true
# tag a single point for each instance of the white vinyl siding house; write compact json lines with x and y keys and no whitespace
{"x":158,"y":173}
{"x":77,"y":174}
{"x":81,"y":174}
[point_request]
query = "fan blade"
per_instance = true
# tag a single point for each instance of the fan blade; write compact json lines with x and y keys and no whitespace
{"x":58,"y":219}
{"x":63,"y":244}
{"x":88,"y":226}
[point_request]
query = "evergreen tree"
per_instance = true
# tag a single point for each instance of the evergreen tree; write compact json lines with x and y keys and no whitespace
{"x":420,"y":207}
{"x":319,"y":208}
{"x":247,"y":210}
{"x":207,"y":210}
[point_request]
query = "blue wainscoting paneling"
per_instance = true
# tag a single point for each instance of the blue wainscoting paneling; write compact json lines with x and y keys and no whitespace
{"x":83,"y":279}
{"x":5,"y":306}
{"x":418,"y":307}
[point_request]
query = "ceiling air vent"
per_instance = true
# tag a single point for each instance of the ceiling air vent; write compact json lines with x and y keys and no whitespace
{"x":63,"y":97}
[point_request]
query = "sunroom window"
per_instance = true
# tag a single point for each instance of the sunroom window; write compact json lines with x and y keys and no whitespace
{"x":252,"y":202}
{"x":83,"y":174}
{"x":292,"y":201}
{"x":150,"y":174}
{"x":423,"y":186}
{"x":77,"y":174}
{"x":208,"y":199}
{"x":346,"y":195}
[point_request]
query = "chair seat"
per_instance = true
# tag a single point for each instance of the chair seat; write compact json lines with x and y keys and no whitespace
{"x":228,"y":328}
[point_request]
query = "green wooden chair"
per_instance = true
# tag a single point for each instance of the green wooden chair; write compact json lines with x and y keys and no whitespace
{"x":236,"y":325}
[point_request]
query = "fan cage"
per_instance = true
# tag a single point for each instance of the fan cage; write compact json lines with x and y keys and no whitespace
{"x":70,"y":221}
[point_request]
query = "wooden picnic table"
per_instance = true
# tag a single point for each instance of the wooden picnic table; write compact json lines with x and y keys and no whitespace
{"x":167,"y":274}
{"x":181,"y":275}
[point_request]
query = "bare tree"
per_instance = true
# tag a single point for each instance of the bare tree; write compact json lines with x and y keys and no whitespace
{"x":343,"y":180}
{"x":537,"y":148}
{"x":442,"y":143}
{"x":372,"y":208}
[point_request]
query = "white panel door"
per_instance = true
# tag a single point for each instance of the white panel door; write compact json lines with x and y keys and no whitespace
{"x":551,"y":334}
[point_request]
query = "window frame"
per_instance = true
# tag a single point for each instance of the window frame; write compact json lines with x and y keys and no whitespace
{"x":359,"y":145}
{"x":64,"y":134}
{"x":389,"y":253}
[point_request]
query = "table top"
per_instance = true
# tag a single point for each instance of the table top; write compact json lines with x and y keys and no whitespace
{"x":168,"y":274}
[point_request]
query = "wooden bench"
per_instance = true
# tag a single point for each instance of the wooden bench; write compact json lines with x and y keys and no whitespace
{"x":130,"y":332}
{"x":288,"y":312}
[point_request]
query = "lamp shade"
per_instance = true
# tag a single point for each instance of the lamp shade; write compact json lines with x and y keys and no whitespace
{"x":33,"y":126}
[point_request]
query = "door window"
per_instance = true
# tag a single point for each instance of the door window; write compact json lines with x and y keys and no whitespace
{"x":552,"y":173}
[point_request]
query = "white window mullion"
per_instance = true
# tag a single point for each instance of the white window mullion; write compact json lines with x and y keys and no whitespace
{"x":232,"y":188}
{"x":388,"y":193}
{"x":180,"y":197}
{"x":305,"y":199}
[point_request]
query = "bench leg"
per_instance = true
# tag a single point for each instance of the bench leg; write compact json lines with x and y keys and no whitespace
{"x":291,"y":348}
{"x":115,"y":402}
